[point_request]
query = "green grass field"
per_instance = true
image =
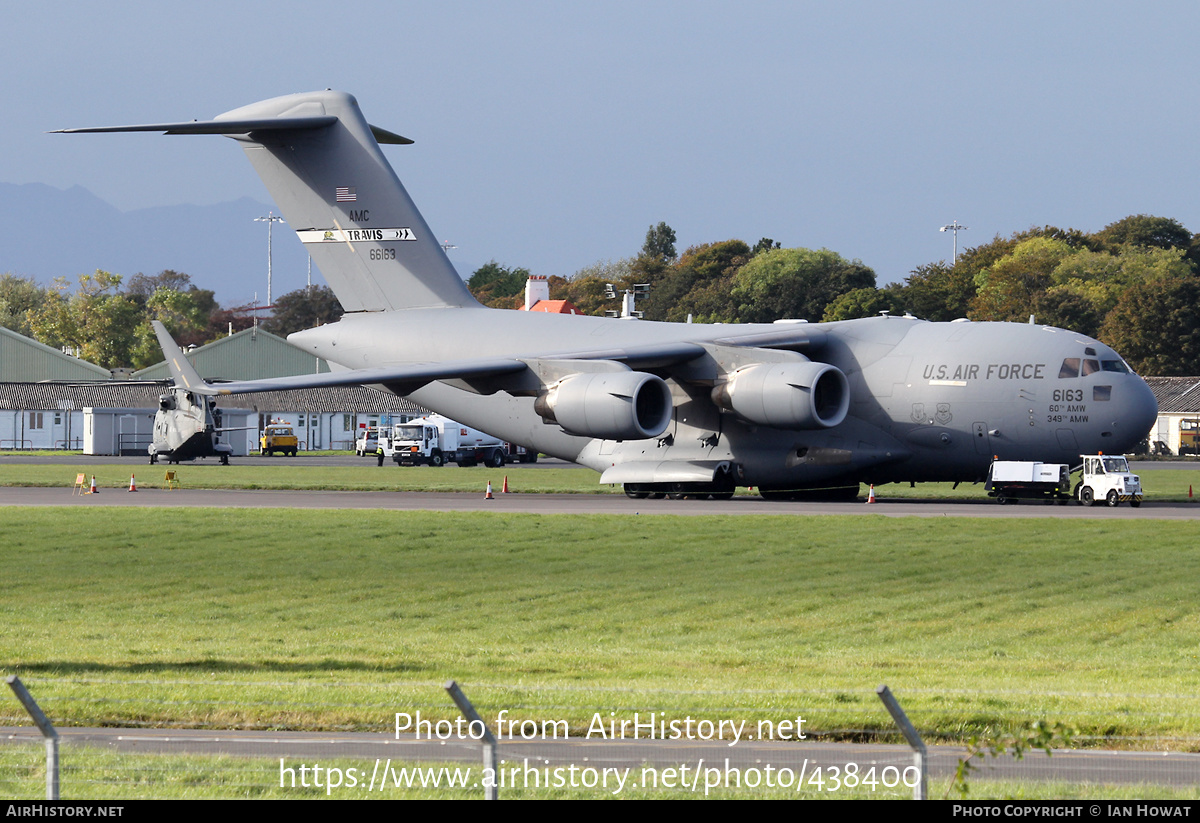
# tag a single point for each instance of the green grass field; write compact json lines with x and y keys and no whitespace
{"x":339,"y":619}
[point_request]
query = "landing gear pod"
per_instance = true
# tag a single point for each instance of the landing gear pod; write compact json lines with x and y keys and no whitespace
{"x":787,"y":395}
{"x":609,"y":405}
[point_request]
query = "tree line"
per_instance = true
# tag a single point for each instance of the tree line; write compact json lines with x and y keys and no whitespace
{"x":106,"y":321}
{"x":1133,"y":285}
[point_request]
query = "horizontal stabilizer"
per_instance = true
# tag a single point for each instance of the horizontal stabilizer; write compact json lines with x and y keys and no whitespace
{"x":216,"y":126}
{"x":240,"y":127}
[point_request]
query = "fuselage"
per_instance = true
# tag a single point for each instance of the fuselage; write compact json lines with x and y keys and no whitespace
{"x":928,"y":401}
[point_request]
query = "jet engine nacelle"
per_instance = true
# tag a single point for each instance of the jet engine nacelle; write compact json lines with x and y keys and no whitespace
{"x":609,"y":405}
{"x":787,"y":395}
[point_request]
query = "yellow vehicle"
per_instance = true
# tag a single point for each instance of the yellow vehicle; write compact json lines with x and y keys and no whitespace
{"x":1189,"y":437}
{"x":279,"y":437}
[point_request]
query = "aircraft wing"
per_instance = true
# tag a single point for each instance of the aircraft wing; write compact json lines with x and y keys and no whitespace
{"x":411,"y":374}
{"x":408,"y":377}
{"x":793,"y":337}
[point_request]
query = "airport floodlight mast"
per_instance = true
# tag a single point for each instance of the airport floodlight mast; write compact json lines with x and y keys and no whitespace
{"x":954,"y":227}
{"x":270,"y":220}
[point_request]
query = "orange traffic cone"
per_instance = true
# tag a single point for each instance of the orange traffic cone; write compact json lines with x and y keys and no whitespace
{"x":871,"y":494}
{"x":93,"y":489}
{"x":504,"y":488}
{"x":132,"y":483}
{"x":488,"y":495}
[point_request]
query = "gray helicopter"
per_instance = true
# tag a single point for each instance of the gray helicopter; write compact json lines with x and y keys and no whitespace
{"x":187,"y":424}
{"x":791,"y":408}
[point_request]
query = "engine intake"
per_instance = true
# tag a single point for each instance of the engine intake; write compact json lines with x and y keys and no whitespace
{"x":787,"y":395}
{"x":609,"y":405}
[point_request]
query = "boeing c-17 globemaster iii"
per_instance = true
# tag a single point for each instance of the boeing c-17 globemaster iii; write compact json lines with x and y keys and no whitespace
{"x":662,"y":408}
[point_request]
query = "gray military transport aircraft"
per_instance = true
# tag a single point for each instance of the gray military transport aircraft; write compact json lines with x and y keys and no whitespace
{"x":662,"y":408}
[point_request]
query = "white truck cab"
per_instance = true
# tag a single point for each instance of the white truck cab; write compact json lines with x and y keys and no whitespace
{"x":1107,"y":478}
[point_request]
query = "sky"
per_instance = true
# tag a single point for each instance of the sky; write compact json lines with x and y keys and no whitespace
{"x":551,"y":135}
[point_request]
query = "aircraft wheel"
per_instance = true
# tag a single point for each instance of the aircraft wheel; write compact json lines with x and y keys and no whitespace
{"x":726,"y":495}
{"x":657,"y":495}
{"x":1086,"y":496}
{"x":635,"y":491}
{"x":1113,"y":500}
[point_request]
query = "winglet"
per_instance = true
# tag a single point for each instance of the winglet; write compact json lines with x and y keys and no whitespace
{"x":182,"y":371}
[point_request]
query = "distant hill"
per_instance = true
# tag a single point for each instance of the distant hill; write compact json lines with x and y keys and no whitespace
{"x":52,"y":233}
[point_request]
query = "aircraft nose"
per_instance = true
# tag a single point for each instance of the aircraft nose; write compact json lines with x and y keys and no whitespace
{"x":1136,"y":410}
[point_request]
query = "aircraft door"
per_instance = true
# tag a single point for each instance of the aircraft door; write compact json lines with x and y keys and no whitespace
{"x":126,"y":435}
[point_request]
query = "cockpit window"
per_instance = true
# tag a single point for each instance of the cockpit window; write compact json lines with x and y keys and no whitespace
{"x":1077,"y":367}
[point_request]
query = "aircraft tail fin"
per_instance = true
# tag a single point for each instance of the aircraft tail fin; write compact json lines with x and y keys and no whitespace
{"x":322,"y":164}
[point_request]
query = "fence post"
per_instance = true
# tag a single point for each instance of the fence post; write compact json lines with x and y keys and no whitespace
{"x":490,"y":792}
{"x":920,"y":753}
{"x":47,"y":730}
